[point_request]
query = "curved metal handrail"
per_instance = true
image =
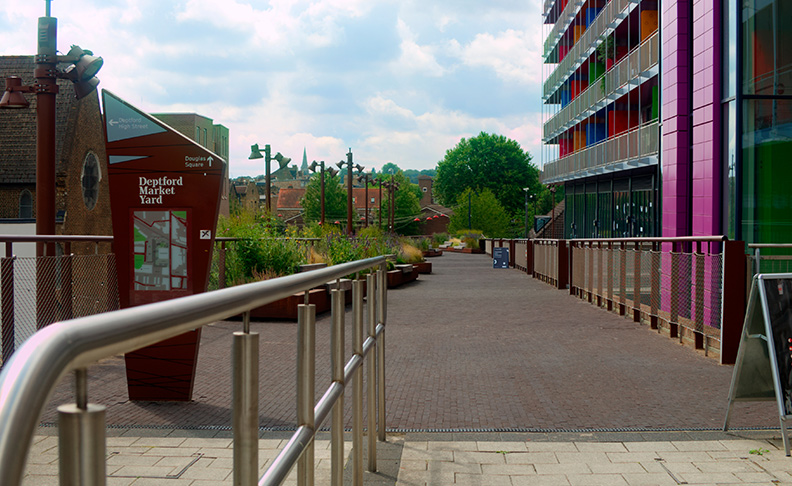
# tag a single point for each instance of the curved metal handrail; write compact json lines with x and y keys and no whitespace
{"x":28,"y":378}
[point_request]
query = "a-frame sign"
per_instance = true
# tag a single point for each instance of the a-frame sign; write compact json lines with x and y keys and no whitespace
{"x":165,"y":196}
{"x":763,"y":370}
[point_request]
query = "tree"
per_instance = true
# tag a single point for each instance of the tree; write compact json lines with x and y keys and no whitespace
{"x":335,"y":199}
{"x":491,"y":162}
{"x":390,"y":168}
{"x":408,"y":204}
{"x":482,"y":211}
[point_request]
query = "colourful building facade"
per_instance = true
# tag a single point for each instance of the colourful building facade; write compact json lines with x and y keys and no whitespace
{"x":669,"y":117}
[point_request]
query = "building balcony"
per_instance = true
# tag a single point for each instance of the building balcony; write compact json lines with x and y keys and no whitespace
{"x":636,"y":148}
{"x":634,"y":69}
{"x":603,"y":25}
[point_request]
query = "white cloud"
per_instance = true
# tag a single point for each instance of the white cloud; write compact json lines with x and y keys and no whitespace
{"x":317,"y":74}
{"x":513,"y":55}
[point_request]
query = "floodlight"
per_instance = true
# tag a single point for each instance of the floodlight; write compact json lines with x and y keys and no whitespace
{"x":313,"y":166}
{"x":282,"y":161}
{"x":255,"y":152}
{"x":13,"y":98}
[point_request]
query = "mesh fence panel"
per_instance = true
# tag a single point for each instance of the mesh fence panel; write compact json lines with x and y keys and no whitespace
{"x":713,"y":299}
{"x":38,"y":291}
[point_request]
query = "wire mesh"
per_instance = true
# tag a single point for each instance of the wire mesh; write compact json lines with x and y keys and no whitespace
{"x":37,"y":291}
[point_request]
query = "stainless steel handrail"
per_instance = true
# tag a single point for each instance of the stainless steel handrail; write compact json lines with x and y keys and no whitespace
{"x":27,"y":380}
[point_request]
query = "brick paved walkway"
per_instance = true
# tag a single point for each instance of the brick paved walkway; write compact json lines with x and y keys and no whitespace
{"x":469,"y":347}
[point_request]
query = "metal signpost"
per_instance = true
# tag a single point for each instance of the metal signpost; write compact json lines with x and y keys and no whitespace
{"x":165,"y":198}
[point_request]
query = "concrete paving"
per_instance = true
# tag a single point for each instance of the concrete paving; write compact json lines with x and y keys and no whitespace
{"x":492,"y":378}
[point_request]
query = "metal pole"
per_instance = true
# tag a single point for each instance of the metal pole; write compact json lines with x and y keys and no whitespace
{"x":337,"y":365}
{"x":357,"y":403}
{"x":267,"y":158}
{"x":81,"y":438}
{"x":245,"y":368}
{"x":306,"y":382}
{"x":381,"y":317}
{"x":349,"y":191}
{"x":323,"y":192}
{"x":46,"y":92}
{"x":371,"y":372}
{"x":380,"y":201}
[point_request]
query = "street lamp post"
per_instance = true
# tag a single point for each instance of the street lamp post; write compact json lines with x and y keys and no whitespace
{"x":340,"y":165}
{"x":526,"y":189}
{"x":255,"y":153}
{"x":313,"y":167}
{"x":364,"y":178}
{"x":82,"y":73}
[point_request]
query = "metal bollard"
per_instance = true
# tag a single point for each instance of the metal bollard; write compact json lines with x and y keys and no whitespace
{"x":81,"y":438}
{"x":371,"y":396}
{"x":337,"y":365}
{"x":357,"y":393}
{"x":245,"y":368}
{"x":306,"y":379}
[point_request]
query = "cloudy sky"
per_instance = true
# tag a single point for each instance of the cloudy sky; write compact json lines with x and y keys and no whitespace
{"x":395,"y":80}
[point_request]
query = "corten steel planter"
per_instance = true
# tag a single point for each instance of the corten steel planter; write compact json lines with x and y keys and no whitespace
{"x":286,"y":309}
{"x":401,"y":275}
{"x":432,"y":252}
{"x":423,"y":267}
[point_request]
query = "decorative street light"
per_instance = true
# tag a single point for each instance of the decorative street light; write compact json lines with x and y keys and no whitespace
{"x":526,"y":189}
{"x":392,"y":186}
{"x":364,"y":179}
{"x":255,"y":153}
{"x":322,"y":171}
{"x":82,"y":69}
{"x":340,"y":165}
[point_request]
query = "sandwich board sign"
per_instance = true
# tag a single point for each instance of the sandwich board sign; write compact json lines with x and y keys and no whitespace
{"x":763,"y":370}
{"x":500,"y":257}
{"x":165,"y":197}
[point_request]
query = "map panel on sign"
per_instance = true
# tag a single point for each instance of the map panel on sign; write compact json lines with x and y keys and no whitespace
{"x":160,"y":250}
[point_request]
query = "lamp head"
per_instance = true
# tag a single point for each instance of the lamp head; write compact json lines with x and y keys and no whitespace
{"x":12,"y":98}
{"x":332,"y":172}
{"x":359,"y":168}
{"x":282,"y":161}
{"x":313,"y":166}
{"x":340,"y":164}
{"x":255,"y":152}
{"x":86,"y":64}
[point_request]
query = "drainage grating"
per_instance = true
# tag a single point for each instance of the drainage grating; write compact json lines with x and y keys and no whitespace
{"x":459,"y":430}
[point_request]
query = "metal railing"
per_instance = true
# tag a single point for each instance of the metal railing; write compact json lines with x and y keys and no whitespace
{"x":639,"y":65}
{"x":71,"y":346}
{"x":611,"y":16}
{"x":38,"y":290}
{"x":632,"y":146}
{"x":769,"y":258}
{"x":674,"y":283}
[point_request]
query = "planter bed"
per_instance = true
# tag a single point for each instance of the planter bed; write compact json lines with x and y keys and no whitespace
{"x":434,"y":252}
{"x":464,"y":250}
{"x":287,"y":308}
{"x":401,"y":275}
{"x":423,"y":267}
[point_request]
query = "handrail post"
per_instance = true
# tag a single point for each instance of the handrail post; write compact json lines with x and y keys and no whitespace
{"x":371,"y":372}
{"x":7,"y":303}
{"x":382,"y":315}
{"x":245,"y":369}
{"x":306,"y":383}
{"x":357,"y":402}
{"x":337,"y":365}
{"x":221,"y":267}
{"x":81,"y":438}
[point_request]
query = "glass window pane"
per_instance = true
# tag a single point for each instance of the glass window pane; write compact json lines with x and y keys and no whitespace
{"x":766,"y":171}
{"x":767,"y":58}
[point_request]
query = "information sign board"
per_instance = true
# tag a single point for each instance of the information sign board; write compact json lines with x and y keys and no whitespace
{"x":763,"y":370}
{"x":500,"y":257}
{"x":165,"y":197}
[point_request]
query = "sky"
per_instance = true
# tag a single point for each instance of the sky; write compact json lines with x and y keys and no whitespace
{"x":396,"y":81}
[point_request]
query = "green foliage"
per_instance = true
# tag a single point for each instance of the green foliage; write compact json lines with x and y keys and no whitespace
{"x":408,"y":205}
{"x":261,"y":252}
{"x":482,"y":211}
{"x":491,"y":162}
{"x":438,"y":239}
{"x":390,"y":168}
{"x":335,"y":200}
